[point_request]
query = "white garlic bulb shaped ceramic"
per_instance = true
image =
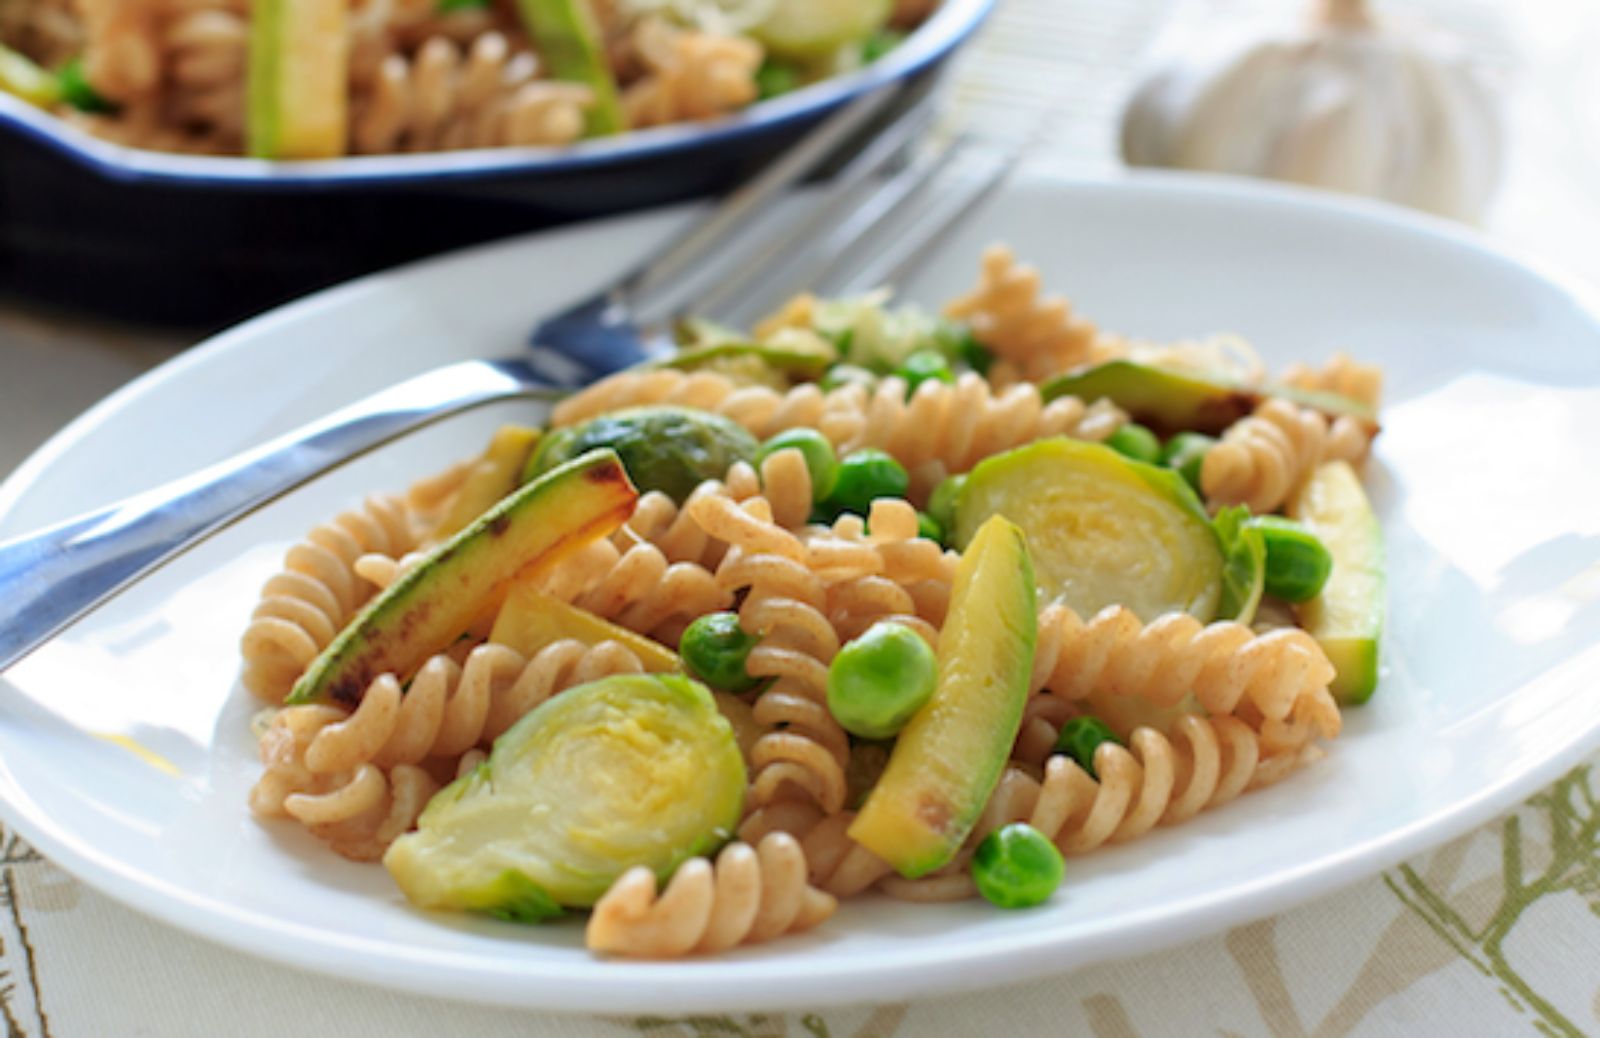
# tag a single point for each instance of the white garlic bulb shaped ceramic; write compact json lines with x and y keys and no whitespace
{"x":1346,"y":103}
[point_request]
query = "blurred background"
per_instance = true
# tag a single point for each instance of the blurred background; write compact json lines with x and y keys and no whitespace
{"x":1237,"y":84}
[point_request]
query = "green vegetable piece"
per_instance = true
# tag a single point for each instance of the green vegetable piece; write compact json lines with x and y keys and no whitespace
{"x":922,"y":366}
{"x":847,"y":375}
{"x":947,"y":760}
{"x":570,"y":48}
{"x":1347,"y":617}
{"x":1298,"y":563}
{"x":20,"y":77}
{"x":879,"y":680}
{"x":627,"y":771}
{"x":776,"y":78}
{"x":870,"y":334}
{"x":516,"y":899}
{"x":818,"y":452}
{"x":865,"y":476}
{"x":1167,"y":400}
{"x":298,"y":82}
{"x":942,"y":503}
{"x":451,"y":6}
{"x":1080,"y":737}
{"x":1017,"y":866}
{"x":1186,"y":454}
{"x":793,"y":352}
{"x":969,"y":350}
{"x":1136,"y":442}
{"x":1104,"y":530}
{"x":715,"y":649}
{"x":670,"y":449}
{"x":881,"y":43}
{"x":930,"y":528}
{"x":496,"y":473}
{"x":1245,"y":567}
{"x":812,"y":30}
{"x":424,"y":611}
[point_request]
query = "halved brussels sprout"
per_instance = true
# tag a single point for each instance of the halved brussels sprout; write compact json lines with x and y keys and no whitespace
{"x":626,"y":771}
{"x":665,"y":448}
{"x":1103,"y":529}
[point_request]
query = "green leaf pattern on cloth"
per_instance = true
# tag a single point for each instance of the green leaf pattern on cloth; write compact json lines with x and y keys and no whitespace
{"x":1494,"y":933}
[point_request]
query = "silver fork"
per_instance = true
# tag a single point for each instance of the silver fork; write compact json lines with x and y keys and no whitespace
{"x":53,"y":577}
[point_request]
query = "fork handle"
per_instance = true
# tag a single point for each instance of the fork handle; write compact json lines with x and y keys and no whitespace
{"x":50,"y":578}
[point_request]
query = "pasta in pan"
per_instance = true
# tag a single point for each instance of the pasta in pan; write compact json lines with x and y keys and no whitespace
{"x":383,"y":76}
{"x":835,"y":603}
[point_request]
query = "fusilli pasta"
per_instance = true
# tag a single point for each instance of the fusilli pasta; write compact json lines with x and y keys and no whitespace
{"x":446,"y":97}
{"x":1341,"y":374}
{"x":1037,"y":336}
{"x":318,"y":591}
{"x":689,"y":75}
{"x":1281,"y":677}
{"x":1263,"y":457}
{"x":749,"y":896}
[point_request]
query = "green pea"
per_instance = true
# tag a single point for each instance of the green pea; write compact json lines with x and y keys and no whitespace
{"x":879,"y":680}
{"x":865,"y":476}
{"x":1298,"y":563}
{"x":817,"y":451}
{"x":1081,"y":736}
{"x":942,"y":505}
{"x":715,"y":648}
{"x":1186,"y":452}
{"x":929,"y":527}
{"x":922,"y":366}
{"x":1017,"y":866}
{"x":840,"y":375}
{"x":1136,"y":442}
{"x":76,"y":91}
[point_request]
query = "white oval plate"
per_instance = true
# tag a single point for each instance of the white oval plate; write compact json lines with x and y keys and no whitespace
{"x":124,"y":747}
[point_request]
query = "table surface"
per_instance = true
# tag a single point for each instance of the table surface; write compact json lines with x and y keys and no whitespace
{"x":1494,"y":933}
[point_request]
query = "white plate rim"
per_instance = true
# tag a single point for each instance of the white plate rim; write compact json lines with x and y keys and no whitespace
{"x":675,"y":987}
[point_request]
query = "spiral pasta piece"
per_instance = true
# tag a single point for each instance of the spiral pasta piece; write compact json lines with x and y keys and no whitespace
{"x":839,"y":865}
{"x":48,"y":31}
{"x":946,"y":428}
{"x":1341,"y":374}
{"x":1281,"y":676}
{"x":803,"y":750}
{"x":658,"y":520}
{"x":1263,"y":457}
{"x":751,"y":895}
{"x":1038,"y":336}
{"x":303,"y":607}
{"x":206,"y":44}
{"x":689,"y":75}
{"x":448,"y":97}
{"x":1158,"y":779}
{"x":122,"y":59}
{"x":359,"y":779}
{"x":760,"y":409}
